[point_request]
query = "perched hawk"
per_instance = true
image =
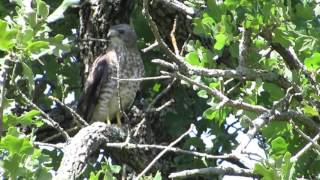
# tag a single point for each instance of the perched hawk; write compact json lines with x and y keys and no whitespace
{"x":100,"y":100}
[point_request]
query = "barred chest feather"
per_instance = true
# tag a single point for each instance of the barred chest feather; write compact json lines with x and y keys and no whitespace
{"x":125,"y":64}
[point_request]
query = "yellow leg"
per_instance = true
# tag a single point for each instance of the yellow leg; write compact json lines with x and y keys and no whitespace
{"x":118,"y":118}
{"x":108,"y":119}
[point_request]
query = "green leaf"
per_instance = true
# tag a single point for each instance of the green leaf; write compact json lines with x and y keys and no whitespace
{"x":281,"y":37}
{"x":26,"y":118}
{"x":157,"y":176}
{"x":7,"y":36}
{"x":115,"y":169}
{"x":193,"y":58}
{"x":279,"y":146}
{"x":9,"y":119}
{"x":16,"y":145}
{"x":37,"y":46}
{"x":218,"y":115}
{"x":221,"y":41}
{"x":25,"y":36}
{"x":304,"y":11}
{"x":267,"y":173}
{"x":42,"y":9}
{"x":28,"y":74}
{"x":156,"y":87}
{"x":313,"y":63}
{"x":11,"y":165}
{"x":311,"y":111}
{"x":288,"y":168}
{"x":209,"y":113}
{"x":202,"y":94}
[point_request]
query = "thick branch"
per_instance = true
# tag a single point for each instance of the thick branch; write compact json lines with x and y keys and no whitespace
{"x":179,"y":6}
{"x":84,"y":144}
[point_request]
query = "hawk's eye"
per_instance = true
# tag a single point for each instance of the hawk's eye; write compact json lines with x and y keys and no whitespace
{"x":121,"y":31}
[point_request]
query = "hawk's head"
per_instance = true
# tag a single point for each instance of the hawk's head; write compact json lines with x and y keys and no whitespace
{"x":124,"y":34}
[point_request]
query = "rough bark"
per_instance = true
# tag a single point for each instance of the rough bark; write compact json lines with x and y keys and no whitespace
{"x":83,"y":145}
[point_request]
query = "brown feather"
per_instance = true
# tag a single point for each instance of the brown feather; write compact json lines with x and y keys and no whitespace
{"x":93,"y":85}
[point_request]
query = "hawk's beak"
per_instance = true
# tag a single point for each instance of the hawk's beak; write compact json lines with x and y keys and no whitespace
{"x":112,"y":33}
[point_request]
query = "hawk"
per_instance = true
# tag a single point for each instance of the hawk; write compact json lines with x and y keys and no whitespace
{"x":121,"y":60}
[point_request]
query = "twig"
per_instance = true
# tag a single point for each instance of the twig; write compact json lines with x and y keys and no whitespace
{"x":163,"y":92}
{"x":213,"y":171}
{"x":222,"y":97}
{"x":173,"y":37}
{"x":166,"y":104}
{"x":48,"y":120}
{"x":258,"y":123}
{"x":171,"y":149}
{"x":164,"y":151}
{"x":151,"y":105}
{"x":56,"y":146}
{"x":245,"y":74}
{"x":143,"y":79}
{"x":155,"y":31}
{"x":305,"y":148}
{"x":312,"y":142}
{"x":150,"y":47}
{"x":95,"y":39}
{"x":78,"y":119}
{"x":48,"y":139}
{"x":184,"y":45}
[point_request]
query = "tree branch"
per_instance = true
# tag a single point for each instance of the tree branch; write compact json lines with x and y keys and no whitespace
{"x":214,"y":171}
{"x":179,"y":6}
{"x":85,"y":143}
{"x":164,"y":151}
{"x":47,"y":120}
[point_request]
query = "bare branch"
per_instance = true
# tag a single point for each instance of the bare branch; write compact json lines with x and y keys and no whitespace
{"x":171,"y":149}
{"x":312,"y":142}
{"x":151,"y":105}
{"x":78,"y":119}
{"x":214,"y":171}
{"x":69,"y":131}
{"x":143,"y":79}
{"x":48,"y":120}
{"x":150,"y":47}
{"x":173,"y":37}
{"x":164,"y":151}
{"x":179,"y":6}
{"x":223,"y":98}
{"x":95,"y":39}
{"x":246,"y":74}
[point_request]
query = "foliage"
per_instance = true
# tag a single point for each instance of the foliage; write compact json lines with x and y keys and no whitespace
{"x":107,"y":171}
{"x":29,"y":49}
{"x":292,"y":23}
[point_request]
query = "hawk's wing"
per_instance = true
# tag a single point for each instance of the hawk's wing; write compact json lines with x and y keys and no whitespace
{"x":97,"y":77}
